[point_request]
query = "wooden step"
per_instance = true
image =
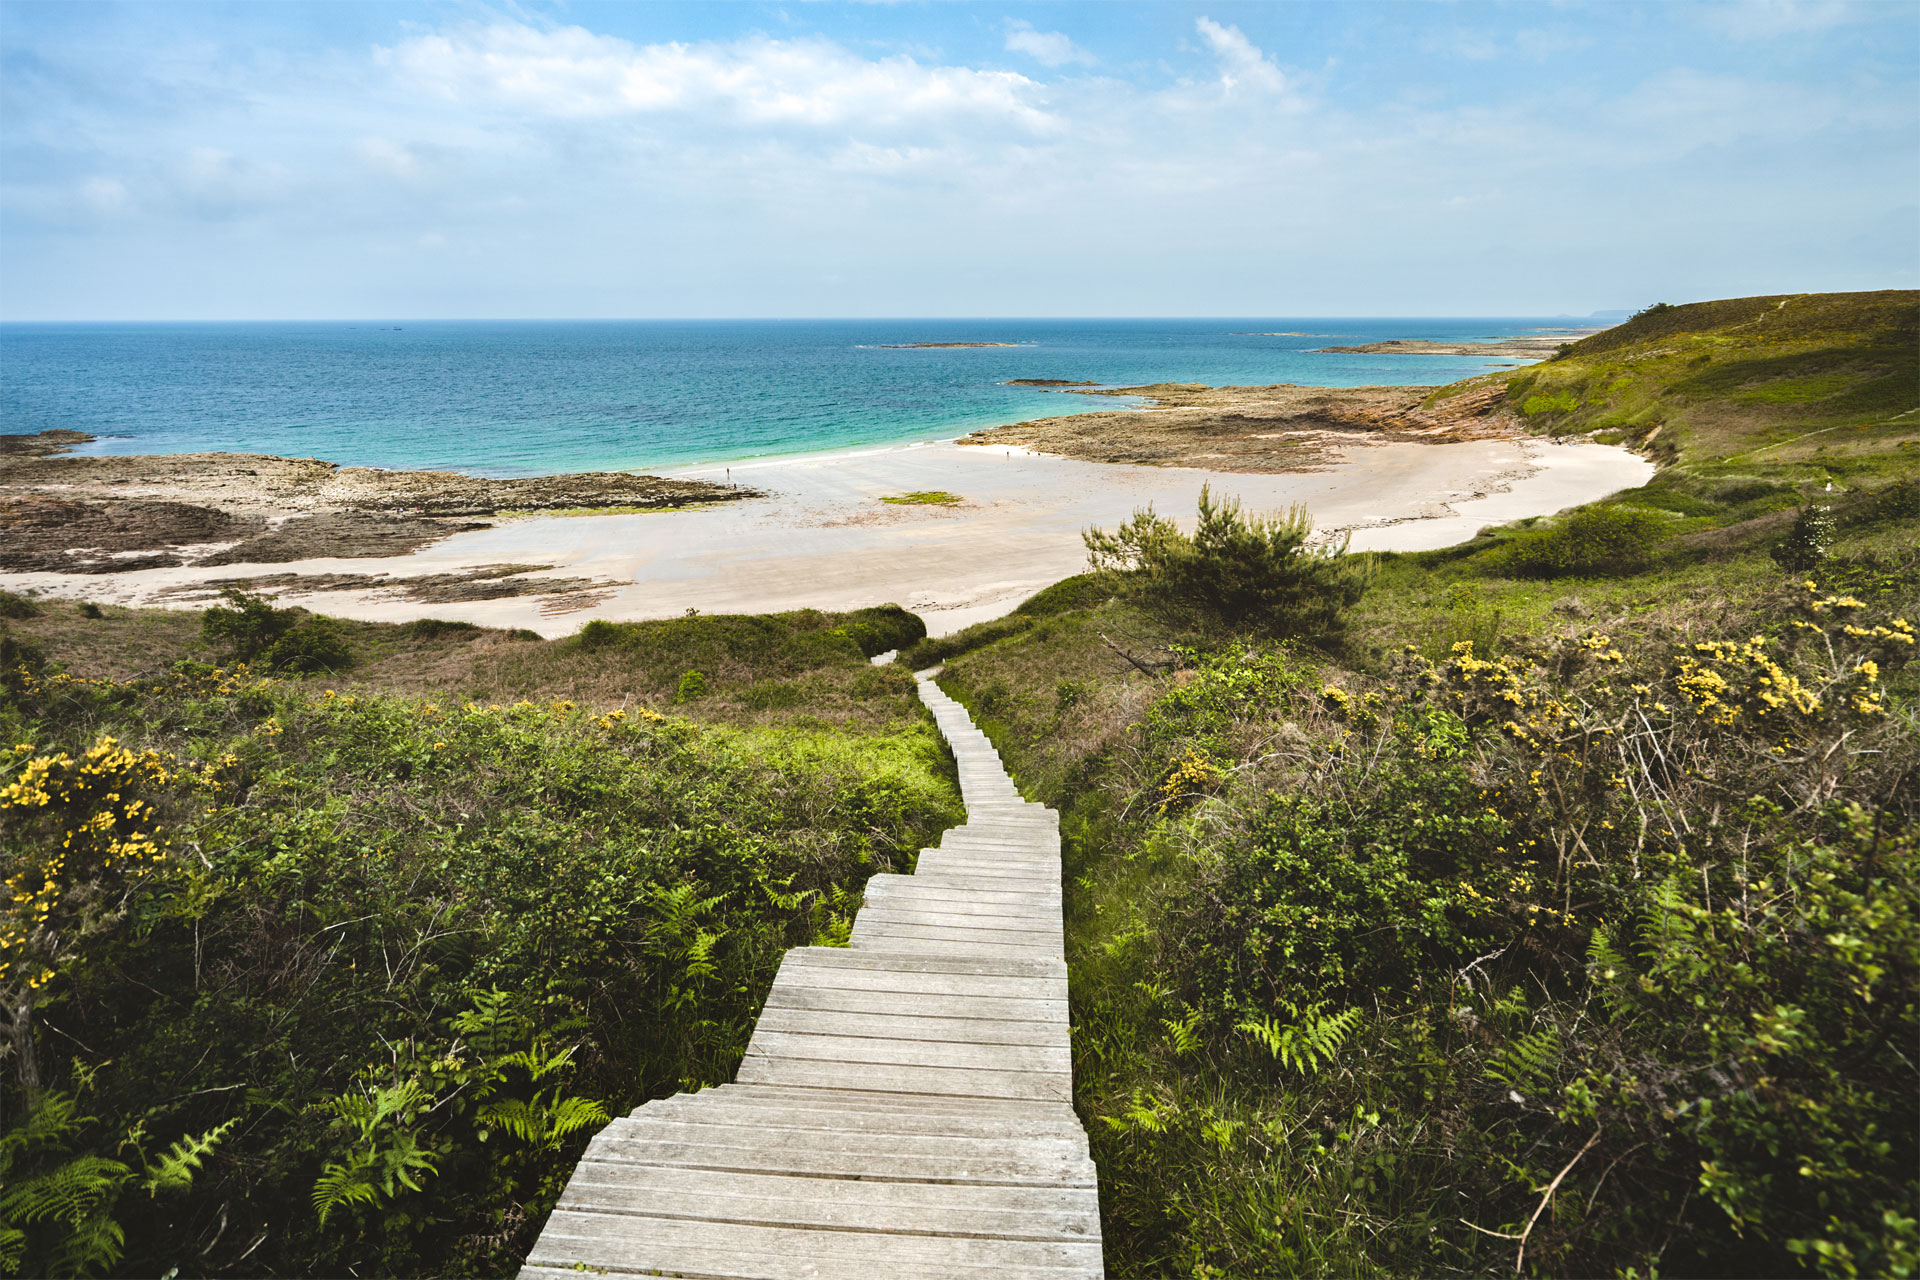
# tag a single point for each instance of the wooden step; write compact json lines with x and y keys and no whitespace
{"x":904,"y":1105}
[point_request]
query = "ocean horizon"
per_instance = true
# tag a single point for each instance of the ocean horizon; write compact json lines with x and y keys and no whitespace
{"x":520,"y":397}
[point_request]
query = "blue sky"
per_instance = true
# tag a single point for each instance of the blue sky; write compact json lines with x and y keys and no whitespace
{"x":255,"y":161}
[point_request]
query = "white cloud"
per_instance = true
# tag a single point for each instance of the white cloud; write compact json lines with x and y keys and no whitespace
{"x":753,"y":82}
{"x":862,"y":157}
{"x":213,"y":182}
{"x":1540,"y":44}
{"x":104,"y":195}
{"x":1048,"y":48}
{"x":391,"y":158}
{"x":760,"y":175}
{"x":1241,"y":61}
{"x":1771,"y":19}
{"x":1475,"y":46}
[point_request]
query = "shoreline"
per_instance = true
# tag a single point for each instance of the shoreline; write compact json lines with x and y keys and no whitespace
{"x":819,"y":536}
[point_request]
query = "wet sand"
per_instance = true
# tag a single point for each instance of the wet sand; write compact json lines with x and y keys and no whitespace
{"x":820,"y":537}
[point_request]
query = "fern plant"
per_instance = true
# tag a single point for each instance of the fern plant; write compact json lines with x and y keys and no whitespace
{"x":1310,"y":1041}
{"x":550,"y":1116}
{"x":385,"y":1154}
{"x":1527,"y":1062}
{"x":500,"y":1076}
{"x":57,"y":1205}
{"x":175,"y":1168}
{"x":1184,"y":1034}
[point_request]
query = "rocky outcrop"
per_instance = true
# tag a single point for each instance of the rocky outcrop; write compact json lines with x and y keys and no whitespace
{"x":1273,"y":429}
{"x":66,"y":514}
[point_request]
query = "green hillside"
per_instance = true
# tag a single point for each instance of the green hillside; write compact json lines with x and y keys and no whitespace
{"x":1731,"y":396}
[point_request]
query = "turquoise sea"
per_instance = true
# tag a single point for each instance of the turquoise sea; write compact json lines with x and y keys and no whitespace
{"x":510,"y":398}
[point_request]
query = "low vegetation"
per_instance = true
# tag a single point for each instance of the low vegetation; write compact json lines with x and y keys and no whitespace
{"x":924,"y":498}
{"x":308,"y":975}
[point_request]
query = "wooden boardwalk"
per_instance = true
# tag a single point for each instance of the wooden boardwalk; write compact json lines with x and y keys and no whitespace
{"x":905,"y":1105}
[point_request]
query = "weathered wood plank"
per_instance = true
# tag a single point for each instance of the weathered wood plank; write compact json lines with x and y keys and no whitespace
{"x":1039,"y":900}
{"x":1040,"y":1120}
{"x":930,"y":897}
{"x":857,"y":1099}
{"x":985,"y":966}
{"x":960,"y":881}
{"x":879,"y":933}
{"x":945,"y":1208}
{"x":909,"y":912}
{"x":905,"y":1004}
{"x":892,"y":1026}
{"x":908,"y":982}
{"x":864,"y":1049}
{"x":826,"y":1247}
{"x":1039,"y":1086}
{"x":990,"y":875}
{"x":968,"y":1158}
{"x":930,"y":883}
{"x":886,"y":1157}
{"x":1036,"y":929}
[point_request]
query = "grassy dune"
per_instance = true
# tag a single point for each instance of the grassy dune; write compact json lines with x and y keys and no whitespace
{"x":1558,"y":915}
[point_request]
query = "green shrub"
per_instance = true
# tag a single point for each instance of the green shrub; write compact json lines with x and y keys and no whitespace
{"x":882,"y":628}
{"x":768,"y":695}
{"x":1897,"y":501}
{"x":1736,"y":493}
{"x":1234,"y":572}
{"x":88,"y":609}
{"x":1809,"y":541}
{"x":1611,"y":945}
{"x":246,"y":626}
{"x":312,"y":646}
{"x":765,"y":644}
{"x":1082,"y":591}
{"x":692,"y":685}
{"x":17,"y":606}
{"x":1599,"y":541}
{"x":924,"y":498}
{"x":1557,"y":402}
{"x":18,"y":653}
{"x":436,"y":628}
{"x":881,"y":682}
{"x":933,"y":651}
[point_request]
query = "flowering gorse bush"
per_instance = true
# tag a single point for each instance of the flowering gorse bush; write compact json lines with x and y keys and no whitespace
{"x":1595,"y":954}
{"x":377,"y":966}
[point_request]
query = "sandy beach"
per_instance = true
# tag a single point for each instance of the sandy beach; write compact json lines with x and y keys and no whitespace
{"x":820,"y":537}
